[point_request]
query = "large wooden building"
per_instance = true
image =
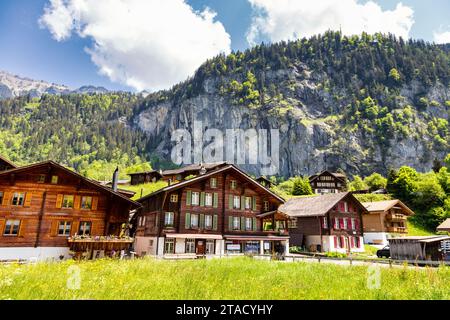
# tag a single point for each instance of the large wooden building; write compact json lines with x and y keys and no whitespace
{"x":385,"y":220}
{"x":326,"y":223}
{"x":328,"y":182}
{"x":223,"y":211}
{"x":46,"y":210}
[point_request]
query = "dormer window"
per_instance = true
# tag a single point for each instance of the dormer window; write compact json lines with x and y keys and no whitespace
{"x":54,"y":179}
{"x":41,"y":178}
{"x":174,"y":198}
{"x":233,"y":184}
{"x":213,"y":183}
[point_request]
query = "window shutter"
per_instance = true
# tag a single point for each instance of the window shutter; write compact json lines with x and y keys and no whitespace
{"x":77,"y":202}
{"x":243,"y":223}
{"x":230,"y":223}
{"x":22,"y":228}
{"x":6,"y":198}
{"x":215,"y":218}
{"x":352,"y":242}
{"x":188,"y":197}
{"x":59,"y":200}
{"x":255,"y":226}
{"x":335,"y":241}
{"x":187,"y":224}
{"x":202,"y":221}
{"x":357,"y":224}
{"x":54,"y":229}
{"x":202,"y":199}
{"x":242,"y":202}
{"x":2,"y":226}
{"x":254,"y":204}
{"x":94,"y":203}
{"x":28,"y":197}
{"x":343,"y":241}
{"x":75,"y":226}
{"x":216,"y":200}
{"x":341,"y":223}
{"x":230,"y":201}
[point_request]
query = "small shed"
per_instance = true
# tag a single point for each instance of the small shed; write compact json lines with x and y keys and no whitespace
{"x":428,"y":248}
{"x":445,"y":226}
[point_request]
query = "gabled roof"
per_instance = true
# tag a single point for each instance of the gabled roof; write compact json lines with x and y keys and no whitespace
{"x":315,"y":206}
{"x":3,"y":159}
{"x":194,"y":167}
{"x":383,"y":206}
{"x":90,"y":182}
{"x":444,"y":226}
{"x":337,"y":175}
{"x":228,"y":167}
{"x":145,"y":172}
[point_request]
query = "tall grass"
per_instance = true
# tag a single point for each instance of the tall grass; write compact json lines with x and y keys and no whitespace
{"x":240,"y":279}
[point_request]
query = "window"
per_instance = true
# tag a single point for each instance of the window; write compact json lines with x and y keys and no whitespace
{"x":54,"y":179}
{"x":325,"y":222}
{"x":190,"y":245}
{"x":345,"y":206}
{"x":41,"y":178}
{"x":195,"y":198}
{"x":85,"y":228}
{"x":12,"y":228}
{"x":236,"y":202}
{"x":213,"y":183}
{"x":266,"y":206}
{"x":248,"y":203}
{"x":67,"y":202}
{"x":208,"y":222}
{"x":173,"y":198}
{"x":345,"y":223}
{"x":64,"y":228}
{"x":248,"y":224}
{"x":209,"y":200}
{"x":194,"y":221}
{"x":210,"y":246}
{"x":143,"y":221}
{"x":1,"y":197}
{"x":18,"y":199}
{"x":86,"y":203}
{"x":353,"y":224}
{"x":336,"y":223}
{"x":169,"y":219}
{"x":169,"y":246}
{"x":233,"y":184}
{"x":292,"y":223}
{"x":236,"y":223}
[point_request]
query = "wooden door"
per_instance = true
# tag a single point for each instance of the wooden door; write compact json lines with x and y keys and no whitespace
{"x":201,"y":246}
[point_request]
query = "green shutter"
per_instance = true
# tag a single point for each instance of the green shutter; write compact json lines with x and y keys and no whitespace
{"x":215,"y":222}
{"x":254,"y":203}
{"x":216,"y":200}
{"x":189,"y":198}
{"x":230,"y":223}
{"x":243,"y":223}
{"x":255,"y":226}
{"x":188,"y":221}
{"x":202,"y":199}
{"x":202,"y":221}
{"x":230,"y":201}
{"x":242,"y":202}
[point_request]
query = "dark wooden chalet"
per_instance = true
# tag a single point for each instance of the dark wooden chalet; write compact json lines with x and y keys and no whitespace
{"x":326,"y":223}
{"x":5,"y":164}
{"x":177,"y":175}
{"x":145,"y":177}
{"x":48,"y":211}
{"x":328,"y":182}
{"x":221,"y":212}
{"x":265,"y":182}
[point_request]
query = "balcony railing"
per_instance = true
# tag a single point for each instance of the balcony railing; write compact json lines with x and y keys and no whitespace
{"x":397,"y":229}
{"x":396,"y":217}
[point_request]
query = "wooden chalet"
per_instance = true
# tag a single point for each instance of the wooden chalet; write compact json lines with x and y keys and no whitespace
{"x":49,"y":211}
{"x":328,"y":182}
{"x":444,"y":226}
{"x":177,"y":175}
{"x":5,"y":164}
{"x":384,"y":220}
{"x":145,"y":177}
{"x":326,"y":223}
{"x":426,"y":248}
{"x":221,"y":212}
{"x":265,"y":182}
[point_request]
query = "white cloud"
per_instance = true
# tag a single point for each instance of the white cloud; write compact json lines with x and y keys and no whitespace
{"x":145,"y":44}
{"x":278,"y":20}
{"x":442,"y":37}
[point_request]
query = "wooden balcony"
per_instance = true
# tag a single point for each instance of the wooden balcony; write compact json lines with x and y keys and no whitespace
{"x":396,"y":217}
{"x":397,"y":229}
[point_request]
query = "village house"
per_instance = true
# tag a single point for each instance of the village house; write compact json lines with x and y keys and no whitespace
{"x":444,"y":226}
{"x":145,"y":177}
{"x":5,"y":164}
{"x":420,"y":248}
{"x":328,"y":182}
{"x":326,"y":223}
{"x":385,"y":219}
{"x":49,"y":211}
{"x":220,"y":212}
{"x":265,"y":182}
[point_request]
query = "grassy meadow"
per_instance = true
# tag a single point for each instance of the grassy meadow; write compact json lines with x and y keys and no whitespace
{"x":235,"y":279}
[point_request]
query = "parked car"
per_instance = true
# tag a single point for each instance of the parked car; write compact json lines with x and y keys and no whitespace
{"x":384,"y":253}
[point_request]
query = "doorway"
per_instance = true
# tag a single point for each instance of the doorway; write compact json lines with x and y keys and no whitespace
{"x":201,"y":247}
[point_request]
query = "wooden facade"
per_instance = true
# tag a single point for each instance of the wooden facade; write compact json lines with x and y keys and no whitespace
{"x":427,"y":248}
{"x":145,"y":177}
{"x":44,"y":204}
{"x":224,"y":209}
{"x":331,"y":222}
{"x":328,"y":182}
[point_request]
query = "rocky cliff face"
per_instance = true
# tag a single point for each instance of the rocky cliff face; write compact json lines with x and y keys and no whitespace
{"x":314,"y":134}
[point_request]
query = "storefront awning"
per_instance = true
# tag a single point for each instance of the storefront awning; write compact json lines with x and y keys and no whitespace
{"x":194,"y":236}
{"x":256,"y":238}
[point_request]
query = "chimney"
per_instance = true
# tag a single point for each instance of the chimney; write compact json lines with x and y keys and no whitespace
{"x":115,"y":179}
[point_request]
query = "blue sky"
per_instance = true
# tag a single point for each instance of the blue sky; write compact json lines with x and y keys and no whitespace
{"x":33,"y":51}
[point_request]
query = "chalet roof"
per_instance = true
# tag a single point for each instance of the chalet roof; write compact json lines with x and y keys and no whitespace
{"x":209,"y":174}
{"x":423,"y":239}
{"x":444,"y":226}
{"x":383,"y":206}
{"x":88,"y":181}
{"x":194,"y":167}
{"x":7,"y":161}
{"x":144,"y":172}
{"x":314,"y":206}
{"x":337,"y":175}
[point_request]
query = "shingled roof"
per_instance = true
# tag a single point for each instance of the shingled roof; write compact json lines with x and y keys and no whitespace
{"x":313,"y":206}
{"x":444,"y":226}
{"x":383,"y":206}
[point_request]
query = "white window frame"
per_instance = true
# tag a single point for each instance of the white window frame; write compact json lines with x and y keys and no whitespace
{"x":236,"y":202}
{"x":213,"y":183}
{"x":236,"y":223}
{"x":353,"y":222}
{"x":174,"y":198}
{"x":195,"y":200}
{"x":64,"y":205}
{"x":345,"y":206}
{"x":20,"y":196}
{"x":248,"y":203}
{"x":248,"y":224}
{"x":190,"y":246}
{"x":208,"y":221}
{"x":336,"y":224}
{"x":325,"y":222}
{"x":169,"y":219}
{"x":345,"y":223}
{"x":210,"y":247}
{"x":196,"y":225}
{"x":169,"y":244}
{"x":208,"y":199}
{"x":67,"y":228}
{"x":233,"y":184}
